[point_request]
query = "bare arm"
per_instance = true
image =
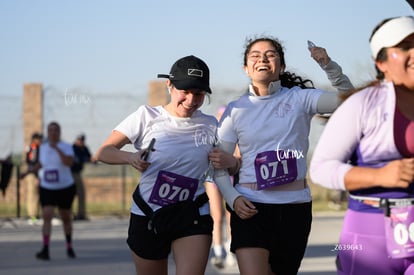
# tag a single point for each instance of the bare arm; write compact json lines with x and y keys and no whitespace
{"x":110,"y":152}
{"x":342,"y":134}
{"x":397,"y":173}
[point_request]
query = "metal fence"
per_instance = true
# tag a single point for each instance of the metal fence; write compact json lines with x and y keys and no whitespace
{"x":77,"y":110}
{"x":108,"y":190}
{"x":81,"y":110}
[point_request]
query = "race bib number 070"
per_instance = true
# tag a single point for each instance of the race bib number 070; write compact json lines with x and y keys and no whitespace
{"x":171,"y":188}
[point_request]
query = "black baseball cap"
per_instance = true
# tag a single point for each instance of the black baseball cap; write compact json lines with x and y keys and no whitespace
{"x":188,"y":73}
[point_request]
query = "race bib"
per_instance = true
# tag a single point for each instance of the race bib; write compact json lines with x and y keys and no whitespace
{"x":51,"y":176}
{"x":171,"y":188}
{"x":274,"y":168}
{"x":399,"y":232}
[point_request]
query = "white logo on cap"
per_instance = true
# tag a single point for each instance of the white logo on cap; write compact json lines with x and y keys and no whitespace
{"x":195,"y":72}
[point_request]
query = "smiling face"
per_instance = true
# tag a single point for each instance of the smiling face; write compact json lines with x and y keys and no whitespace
{"x":263,"y":63}
{"x":184,"y":102}
{"x":398,"y":67}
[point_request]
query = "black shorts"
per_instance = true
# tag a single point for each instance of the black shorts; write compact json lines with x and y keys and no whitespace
{"x":62,"y":198}
{"x":282,"y":229}
{"x":148,"y":245}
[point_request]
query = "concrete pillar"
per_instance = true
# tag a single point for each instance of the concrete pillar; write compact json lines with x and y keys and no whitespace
{"x":158,"y":94}
{"x":32,"y":110}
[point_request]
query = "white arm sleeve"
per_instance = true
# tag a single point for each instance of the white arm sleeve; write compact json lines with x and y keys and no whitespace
{"x":222,"y":177}
{"x":223,"y":182}
{"x":337,"y":78}
{"x":328,"y":102}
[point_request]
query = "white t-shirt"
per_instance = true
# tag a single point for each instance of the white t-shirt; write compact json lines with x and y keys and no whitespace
{"x":54,"y":174}
{"x":279,"y":122}
{"x":182,"y":146}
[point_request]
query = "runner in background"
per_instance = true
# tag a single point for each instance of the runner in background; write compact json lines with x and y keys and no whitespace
{"x":82,"y":156}
{"x":31,"y":178}
{"x":57,"y":188}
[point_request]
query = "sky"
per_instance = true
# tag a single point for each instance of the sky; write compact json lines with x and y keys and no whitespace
{"x":113,"y":47}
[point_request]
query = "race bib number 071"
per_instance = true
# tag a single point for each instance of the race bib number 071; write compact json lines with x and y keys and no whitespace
{"x":273,"y":169}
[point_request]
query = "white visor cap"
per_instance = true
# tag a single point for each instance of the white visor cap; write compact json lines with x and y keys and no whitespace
{"x":391,"y":33}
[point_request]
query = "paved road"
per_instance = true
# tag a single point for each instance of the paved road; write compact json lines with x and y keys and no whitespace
{"x":101,"y":248}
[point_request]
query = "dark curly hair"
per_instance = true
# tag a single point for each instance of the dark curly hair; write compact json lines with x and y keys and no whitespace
{"x":287,"y":79}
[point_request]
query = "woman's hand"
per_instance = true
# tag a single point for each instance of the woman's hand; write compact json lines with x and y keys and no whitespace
{"x":320,"y":55}
{"x":136,"y":161}
{"x":397,"y":173}
{"x":244,"y":208}
{"x":222,"y":159}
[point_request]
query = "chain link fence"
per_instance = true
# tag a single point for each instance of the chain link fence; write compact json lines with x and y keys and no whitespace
{"x":81,"y":110}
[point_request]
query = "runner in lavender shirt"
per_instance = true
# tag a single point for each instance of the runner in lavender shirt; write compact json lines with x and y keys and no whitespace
{"x":367,"y":148}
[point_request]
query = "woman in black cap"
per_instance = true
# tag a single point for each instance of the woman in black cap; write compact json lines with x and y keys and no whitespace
{"x":173,"y":172}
